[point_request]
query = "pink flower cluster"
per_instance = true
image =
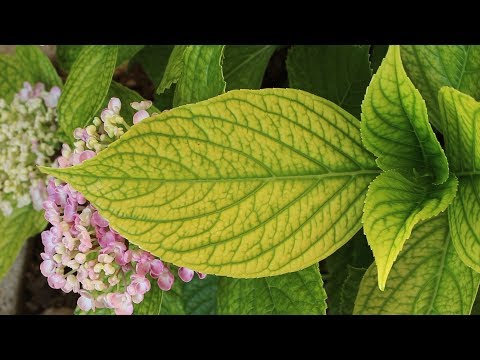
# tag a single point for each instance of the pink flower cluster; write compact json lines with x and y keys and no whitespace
{"x":82,"y":252}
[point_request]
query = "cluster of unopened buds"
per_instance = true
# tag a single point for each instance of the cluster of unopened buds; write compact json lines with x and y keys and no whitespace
{"x":27,"y":135}
{"x":82,"y":252}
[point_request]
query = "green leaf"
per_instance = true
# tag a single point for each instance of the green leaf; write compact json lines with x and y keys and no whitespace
{"x":345,"y":271}
{"x":15,"y":229}
{"x":235,"y":194}
{"x":164,"y":101}
{"x":127,"y":96}
{"x":299,"y":292}
{"x":432,"y":66}
{"x":86,"y":86}
{"x":126,"y":52}
{"x":395,"y":125}
{"x":378,"y":54}
{"x":67,"y":54}
{"x":244,"y":65}
{"x":394,"y":205}
{"x":460,"y":116}
{"x":12,"y":77}
{"x":202,"y":76}
{"x":154,"y":60}
{"x":338,"y":73}
{"x":31,"y":57}
{"x":200,"y":296}
{"x":174,"y":68}
{"x":428,"y":277}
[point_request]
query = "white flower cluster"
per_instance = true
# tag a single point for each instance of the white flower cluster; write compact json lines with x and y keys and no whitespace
{"x":27,"y":138}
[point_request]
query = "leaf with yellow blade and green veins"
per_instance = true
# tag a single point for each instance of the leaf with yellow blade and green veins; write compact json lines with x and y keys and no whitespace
{"x":297,"y":293}
{"x":393,"y":206}
{"x":432,"y":66}
{"x":14,"y":231}
{"x":460,"y":116}
{"x":395,"y":125}
{"x":250,"y":183}
{"x":428,"y":277}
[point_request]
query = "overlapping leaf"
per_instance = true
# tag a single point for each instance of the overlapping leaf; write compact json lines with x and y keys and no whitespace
{"x":12,"y":77}
{"x":250,"y":183}
{"x":42,"y":69}
{"x":428,"y":277}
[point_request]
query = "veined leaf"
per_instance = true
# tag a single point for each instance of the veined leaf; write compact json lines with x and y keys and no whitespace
{"x":394,"y":205}
{"x":345,"y":271}
{"x":67,"y":54}
{"x":428,"y":277}
{"x":244,"y":65}
{"x":86,"y":86}
{"x":432,"y":66}
{"x":200,"y":296}
{"x":14,"y":231}
{"x":250,"y":183}
{"x":202,"y":76}
{"x":12,"y":77}
{"x":174,"y":68}
{"x":154,"y":59}
{"x":460,"y":116}
{"x":299,"y":292}
{"x":338,"y":73}
{"x":126,"y":52}
{"x":395,"y":126}
{"x":32,"y":58}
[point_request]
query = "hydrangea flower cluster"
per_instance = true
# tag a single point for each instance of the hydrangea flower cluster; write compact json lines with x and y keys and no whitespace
{"x":27,"y":134}
{"x":82,"y":252}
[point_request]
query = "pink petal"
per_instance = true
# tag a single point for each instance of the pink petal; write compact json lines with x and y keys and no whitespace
{"x":156,"y":268}
{"x":165,"y":280}
{"x":185,"y":274}
{"x":56,"y":281}
{"x":139,"y":116}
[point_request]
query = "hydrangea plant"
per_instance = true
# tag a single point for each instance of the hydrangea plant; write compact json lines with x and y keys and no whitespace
{"x":364,"y":161}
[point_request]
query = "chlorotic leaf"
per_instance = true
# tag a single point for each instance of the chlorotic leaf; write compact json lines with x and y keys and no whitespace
{"x":299,"y":293}
{"x":127,"y":96}
{"x":250,"y":183}
{"x":12,"y":77}
{"x":245,"y":65}
{"x":345,"y":271}
{"x":395,"y":126}
{"x":202,"y":76}
{"x":174,"y":68}
{"x":14,"y":231}
{"x":338,"y":73}
{"x":432,"y":66}
{"x":394,"y":205}
{"x":40,"y":66}
{"x":428,"y":277}
{"x":460,"y":115}
{"x":86,"y":86}
{"x":154,"y":60}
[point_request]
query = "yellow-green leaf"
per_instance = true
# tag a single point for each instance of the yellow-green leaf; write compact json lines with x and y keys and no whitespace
{"x":42,"y":69}
{"x":86,"y":86}
{"x":297,"y":293}
{"x":460,"y":116}
{"x":432,"y":66}
{"x":428,"y":277}
{"x":202,"y":76}
{"x":12,"y":76}
{"x":395,"y":125}
{"x":250,"y":183}
{"x":14,"y":231}
{"x":394,"y":205}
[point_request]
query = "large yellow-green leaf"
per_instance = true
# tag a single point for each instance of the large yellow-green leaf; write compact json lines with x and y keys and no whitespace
{"x":244,"y":65}
{"x":460,"y":116}
{"x":298,"y":293}
{"x":432,"y":66}
{"x":202,"y":75}
{"x":42,"y":69}
{"x":14,"y":231}
{"x":86,"y":86}
{"x":339,"y":73}
{"x":250,"y":183}
{"x":394,"y":205}
{"x":428,"y":277}
{"x":395,"y":125}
